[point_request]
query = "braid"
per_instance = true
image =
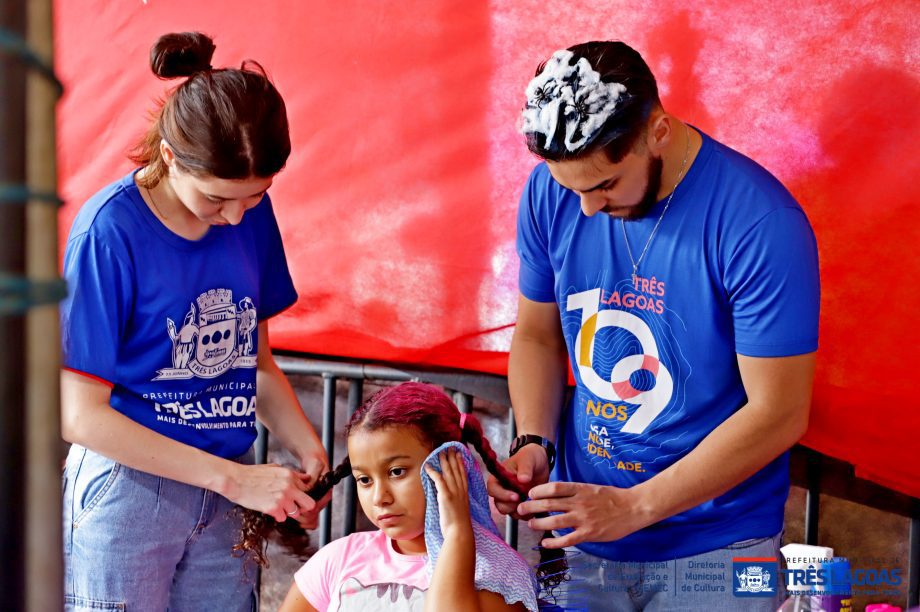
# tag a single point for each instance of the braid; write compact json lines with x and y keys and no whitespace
{"x":472,"y":433}
{"x":330,"y":479}
{"x":257,"y":527}
{"x":552,"y":569}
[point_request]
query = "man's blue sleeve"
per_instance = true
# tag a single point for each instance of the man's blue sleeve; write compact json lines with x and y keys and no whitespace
{"x":771,"y":276}
{"x":535,"y":278}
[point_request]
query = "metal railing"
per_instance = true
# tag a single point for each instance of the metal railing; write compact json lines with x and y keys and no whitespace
{"x":461,"y":386}
{"x":816,"y":473}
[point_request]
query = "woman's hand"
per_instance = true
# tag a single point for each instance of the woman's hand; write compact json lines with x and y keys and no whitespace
{"x":272,"y":489}
{"x":453,"y":494}
{"x":314,"y":464}
{"x":313,"y":461}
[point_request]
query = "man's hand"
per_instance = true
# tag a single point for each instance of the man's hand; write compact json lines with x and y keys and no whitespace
{"x":531,"y":466}
{"x":596,"y":513}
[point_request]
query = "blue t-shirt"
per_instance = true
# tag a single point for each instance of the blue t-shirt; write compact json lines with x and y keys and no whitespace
{"x":732,"y":269}
{"x":171,"y":323}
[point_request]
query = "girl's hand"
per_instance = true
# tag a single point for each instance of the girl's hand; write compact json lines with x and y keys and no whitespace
{"x":453,"y":494}
{"x":272,"y":489}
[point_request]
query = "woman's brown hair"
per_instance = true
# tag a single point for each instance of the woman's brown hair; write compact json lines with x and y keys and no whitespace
{"x":227,"y":123}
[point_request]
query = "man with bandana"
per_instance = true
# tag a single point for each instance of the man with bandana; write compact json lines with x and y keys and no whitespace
{"x":679,"y":280}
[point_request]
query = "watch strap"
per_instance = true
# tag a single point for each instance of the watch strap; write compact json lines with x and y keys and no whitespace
{"x":521,"y":441}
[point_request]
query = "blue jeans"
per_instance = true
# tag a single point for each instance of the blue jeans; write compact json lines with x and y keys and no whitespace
{"x":134,"y":541}
{"x":700,"y":582}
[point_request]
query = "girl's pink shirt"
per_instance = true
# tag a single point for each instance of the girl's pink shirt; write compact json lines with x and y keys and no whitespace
{"x":358,"y":571}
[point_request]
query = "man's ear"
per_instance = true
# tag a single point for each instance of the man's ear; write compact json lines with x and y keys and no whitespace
{"x":660,"y":133}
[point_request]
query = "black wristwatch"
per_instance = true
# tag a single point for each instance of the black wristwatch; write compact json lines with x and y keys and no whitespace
{"x":521,"y":441}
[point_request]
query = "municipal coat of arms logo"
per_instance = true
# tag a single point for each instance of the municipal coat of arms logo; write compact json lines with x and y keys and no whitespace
{"x":754,"y":578}
{"x":214,"y":337}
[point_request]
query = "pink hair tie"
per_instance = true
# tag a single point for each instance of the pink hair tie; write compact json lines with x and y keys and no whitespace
{"x":462,"y":420}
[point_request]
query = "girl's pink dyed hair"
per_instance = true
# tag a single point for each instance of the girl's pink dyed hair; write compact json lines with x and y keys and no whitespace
{"x":425,"y":408}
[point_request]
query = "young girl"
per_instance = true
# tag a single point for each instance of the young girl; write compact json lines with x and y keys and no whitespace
{"x":173,"y":272}
{"x":390,"y":439}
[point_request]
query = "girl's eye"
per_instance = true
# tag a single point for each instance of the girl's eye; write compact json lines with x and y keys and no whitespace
{"x":363,"y":480}
{"x":397,"y":472}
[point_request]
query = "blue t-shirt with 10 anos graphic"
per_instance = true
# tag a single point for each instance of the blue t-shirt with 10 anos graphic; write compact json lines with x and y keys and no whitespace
{"x":172,"y":324}
{"x":732,"y":269}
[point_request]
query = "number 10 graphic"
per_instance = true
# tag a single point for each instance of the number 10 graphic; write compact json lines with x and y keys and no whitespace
{"x":619,"y":387}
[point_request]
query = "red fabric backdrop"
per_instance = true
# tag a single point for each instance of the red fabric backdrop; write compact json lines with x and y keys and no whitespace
{"x":397,"y":206}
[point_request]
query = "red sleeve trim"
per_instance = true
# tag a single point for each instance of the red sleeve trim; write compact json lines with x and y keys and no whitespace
{"x":108,"y":384}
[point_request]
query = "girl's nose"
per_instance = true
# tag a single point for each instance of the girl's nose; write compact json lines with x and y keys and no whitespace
{"x":382,"y":496}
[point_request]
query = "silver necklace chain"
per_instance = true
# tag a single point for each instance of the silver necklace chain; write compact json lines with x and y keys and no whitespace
{"x":680,"y":175}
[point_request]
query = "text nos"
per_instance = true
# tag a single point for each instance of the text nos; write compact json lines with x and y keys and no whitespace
{"x":607,"y":410}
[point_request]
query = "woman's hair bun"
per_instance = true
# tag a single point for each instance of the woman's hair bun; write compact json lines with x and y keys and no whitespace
{"x":181,"y":54}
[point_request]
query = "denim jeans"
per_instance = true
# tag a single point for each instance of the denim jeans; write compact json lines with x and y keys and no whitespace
{"x":134,"y":541}
{"x":700,"y":582}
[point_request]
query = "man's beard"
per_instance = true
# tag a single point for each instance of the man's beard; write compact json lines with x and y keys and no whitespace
{"x":650,"y":197}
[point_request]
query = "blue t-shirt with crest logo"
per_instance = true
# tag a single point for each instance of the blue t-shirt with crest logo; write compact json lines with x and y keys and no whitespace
{"x":172,"y":324}
{"x":732,"y":269}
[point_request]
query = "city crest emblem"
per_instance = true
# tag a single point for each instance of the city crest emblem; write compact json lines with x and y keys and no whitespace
{"x":216,"y":331}
{"x":214,"y":337}
{"x":754,"y":578}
